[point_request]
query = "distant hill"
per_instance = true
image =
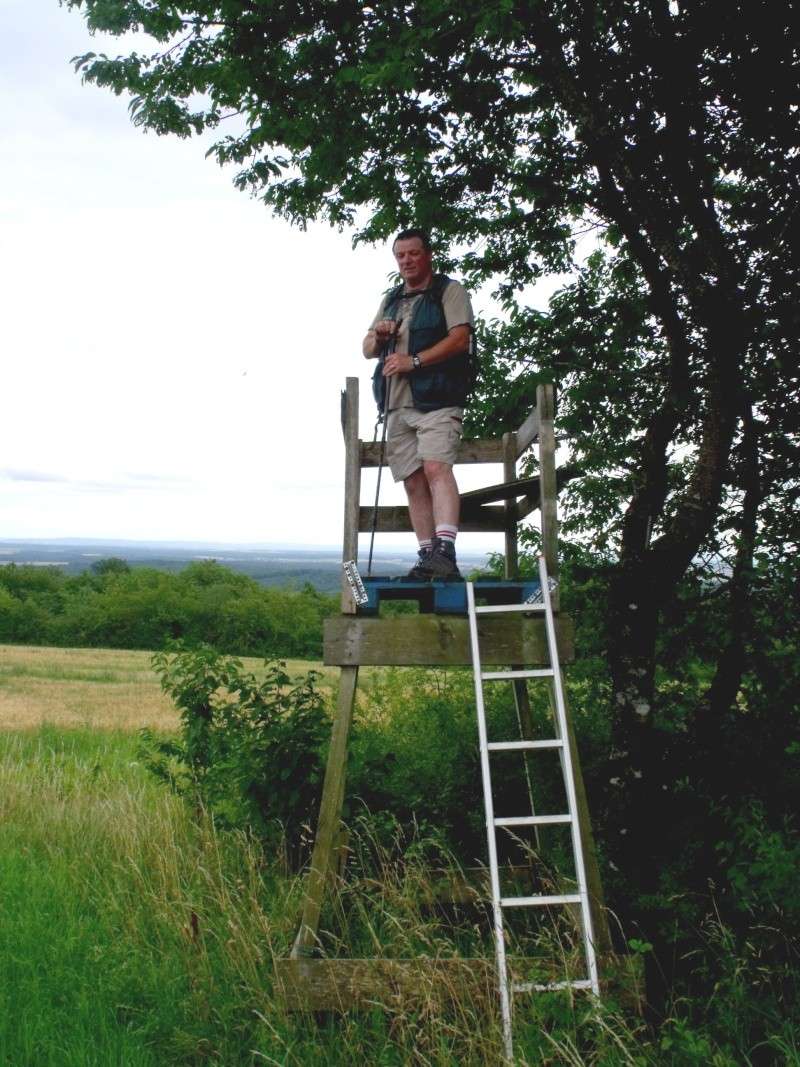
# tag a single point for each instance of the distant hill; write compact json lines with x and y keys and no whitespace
{"x":270,"y":565}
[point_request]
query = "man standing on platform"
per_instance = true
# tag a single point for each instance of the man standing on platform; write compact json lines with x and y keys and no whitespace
{"x":427,"y":378}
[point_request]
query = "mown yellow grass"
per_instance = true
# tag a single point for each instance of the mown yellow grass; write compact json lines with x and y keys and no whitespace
{"x":108,"y":689}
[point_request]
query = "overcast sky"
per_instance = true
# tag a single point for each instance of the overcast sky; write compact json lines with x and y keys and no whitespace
{"x":172,"y":354}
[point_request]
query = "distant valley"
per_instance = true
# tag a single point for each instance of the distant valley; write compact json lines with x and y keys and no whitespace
{"x":270,"y":565}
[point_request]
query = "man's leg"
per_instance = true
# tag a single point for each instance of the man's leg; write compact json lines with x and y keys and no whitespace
{"x":420,"y":505}
{"x":433,"y":499}
{"x":445,"y":501}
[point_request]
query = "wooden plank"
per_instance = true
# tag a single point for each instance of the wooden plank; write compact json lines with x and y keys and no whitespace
{"x":394,"y":985}
{"x":545,"y":403}
{"x":519,"y":687}
{"x":433,"y":640}
{"x":510,"y":489}
{"x":488,"y":451}
{"x":594,"y":883}
{"x":526,"y":506}
{"x":352,"y":487}
{"x":328,"y":826}
{"x":394,"y":519}
{"x":510,"y":508}
{"x":528,"y":432}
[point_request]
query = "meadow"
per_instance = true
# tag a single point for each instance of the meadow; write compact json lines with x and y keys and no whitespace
{"x":135,"y":932}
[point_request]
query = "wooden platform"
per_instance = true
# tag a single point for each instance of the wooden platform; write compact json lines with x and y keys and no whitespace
{"x":419,"y":640}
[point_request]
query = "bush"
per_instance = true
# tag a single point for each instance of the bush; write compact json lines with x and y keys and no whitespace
{"x":114,"y":606}
{"x":249,"y":749}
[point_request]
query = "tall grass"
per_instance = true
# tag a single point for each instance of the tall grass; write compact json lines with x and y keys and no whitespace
{"x":132,"y":933}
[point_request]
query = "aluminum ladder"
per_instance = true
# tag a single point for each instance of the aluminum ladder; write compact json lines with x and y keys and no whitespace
{"x":558,"y":743}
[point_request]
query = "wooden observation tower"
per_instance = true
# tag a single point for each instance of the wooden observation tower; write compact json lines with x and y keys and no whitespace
{"x":352,"y":640}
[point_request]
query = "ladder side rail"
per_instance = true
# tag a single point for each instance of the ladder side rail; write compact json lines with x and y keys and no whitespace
{"x":483,"y":742}
{"x":569,"y":783}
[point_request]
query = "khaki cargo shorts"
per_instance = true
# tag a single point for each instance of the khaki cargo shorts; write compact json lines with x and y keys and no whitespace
{"x":413,"y":436}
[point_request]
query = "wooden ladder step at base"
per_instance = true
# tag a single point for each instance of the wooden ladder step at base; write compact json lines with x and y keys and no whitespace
{"x":392,"y":985}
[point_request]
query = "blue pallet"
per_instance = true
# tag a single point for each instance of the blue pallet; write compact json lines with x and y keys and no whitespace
{"x":445,"y":597}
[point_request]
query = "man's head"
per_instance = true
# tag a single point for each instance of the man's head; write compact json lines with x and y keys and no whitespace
{"x":412,"y":251}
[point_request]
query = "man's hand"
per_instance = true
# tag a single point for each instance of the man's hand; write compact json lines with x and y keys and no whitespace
{"x":397,"y":363}
{"x":385,"y":329}
{"x":379,"y":337}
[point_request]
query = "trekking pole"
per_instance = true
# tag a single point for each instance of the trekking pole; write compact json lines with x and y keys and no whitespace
{"x":388,"y":349}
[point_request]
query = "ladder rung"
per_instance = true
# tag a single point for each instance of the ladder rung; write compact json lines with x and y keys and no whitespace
{"x":496,"y":676}
{"x":510,"y":746}
{"x":543,"y":987}
{"x":540,"y":901}
{"x":498,"y":609}
{"x":532,"y":820}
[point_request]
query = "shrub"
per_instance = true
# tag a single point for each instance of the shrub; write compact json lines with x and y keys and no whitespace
{"x":249,"y":748}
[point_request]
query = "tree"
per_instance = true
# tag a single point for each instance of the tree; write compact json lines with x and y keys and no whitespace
{"x":666,"y":132}
{"x":110,"y":565}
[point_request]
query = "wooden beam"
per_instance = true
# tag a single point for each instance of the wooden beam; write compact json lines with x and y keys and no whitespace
{"x":394,"y":519}
{"x":330,"y":812}
{"x":594,"y":883}
{"x":489,"y":451}
{"x":441,"y":640}
{"x":528,"y":432}
{"x":394,"y":985}
{"x":507,"y":490}
{"x":545,"y":403}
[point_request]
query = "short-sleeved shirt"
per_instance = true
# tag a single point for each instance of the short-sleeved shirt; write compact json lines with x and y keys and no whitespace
{"x":457,"y":312}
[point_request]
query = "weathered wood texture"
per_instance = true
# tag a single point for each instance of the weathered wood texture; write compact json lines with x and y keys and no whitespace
{"x":394,"y":519}
{"x":328,"y":826}
{"x":468,"y":452}
{"x":545,"y":404}
{"x":510,"y":489}
{"x":352,"y":487}
{"x":394,"y":985}
{"x":441,"y":640}
{"x":594,"y":883}
{"x":527,"y":433}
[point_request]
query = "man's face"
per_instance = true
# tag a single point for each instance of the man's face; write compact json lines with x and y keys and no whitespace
{"x":413,"y":262}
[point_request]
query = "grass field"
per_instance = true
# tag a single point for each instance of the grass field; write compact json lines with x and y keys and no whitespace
{"x":133,"y":933}
{"x":105,"y":689}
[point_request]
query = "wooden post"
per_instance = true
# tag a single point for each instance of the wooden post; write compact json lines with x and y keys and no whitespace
{"x":594,"y":885}
{"x":510,"y":507}
{"x":328,"y":825}
{"x":547,"y":483}
{"x":329,"y":816}
{"x":545,"y":402}
{"x":522,"y":701}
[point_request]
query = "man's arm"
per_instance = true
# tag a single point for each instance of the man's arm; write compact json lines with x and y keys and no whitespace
{"x":377,"y":337}
{"x":457,"y":341}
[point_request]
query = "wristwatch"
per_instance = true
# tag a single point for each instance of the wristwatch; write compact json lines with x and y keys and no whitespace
{"x":416,"y":363}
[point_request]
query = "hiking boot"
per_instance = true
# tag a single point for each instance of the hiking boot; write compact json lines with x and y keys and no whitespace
{"x":442,"y":561}
{"x":419,"y":572}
